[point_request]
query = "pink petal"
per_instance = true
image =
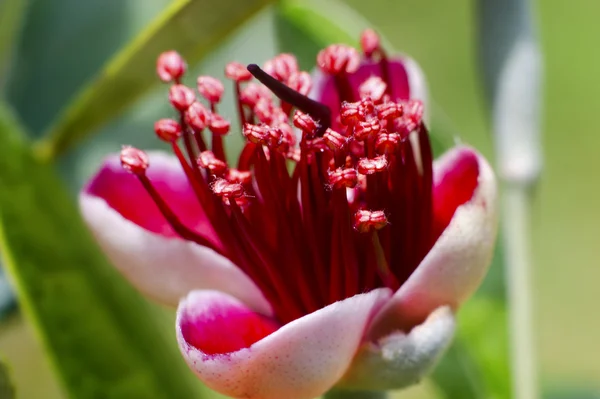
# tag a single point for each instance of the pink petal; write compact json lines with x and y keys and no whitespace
{"x":123,"y":192}
{"x":399,"y":360}
{"x":301,"y":360}
{"x":458,"y":261}
{"x":164,"y":268}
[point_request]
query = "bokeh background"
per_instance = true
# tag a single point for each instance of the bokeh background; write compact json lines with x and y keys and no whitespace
{"x":64,"y":42}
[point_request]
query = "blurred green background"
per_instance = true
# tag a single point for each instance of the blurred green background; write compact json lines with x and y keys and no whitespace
{"x":65,"y":41}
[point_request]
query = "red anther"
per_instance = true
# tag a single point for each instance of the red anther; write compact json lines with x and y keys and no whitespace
{"x":242,"y":202}
{"x":133,"y":160}
{"x":181,"y":97}
{"x":238,"y":176}
{"x":237,"y":72}
{"x":338,"y":58}
{"x":222,"y":188}
{"x":256,"y":134}
{"x":210,"y":88}
{"x":294,"y":154}
{"x":219,"y":125}
{"x":411,"y":119}
{"x":374,"y":88}
{"x":305,"y":123}
{"x":369,"y":42}
{"x":351,"y":113}
{"x":253,"y":92}
{"x":301,"y":82}
{"x":389,"y":111}
{"x":316,"y":145}
{"x":413,"y":109}
{"x":369,"y":166}
{"x":167,"y":129}
{"x":387,"y":143}
{"x":281,"y":67}
{"x":367,"y":106}
{"x":334,"y":140}
{"x":367,"y":129}
{"x":266,"y":111}
{"x":365,"y":221}
{"x":197,"y":116}
{"x":170,"y":66}
{"x":287,"y":133}
{"x":343,"y":178}
{"x":273,"y":137}
{"x":208,"y":160}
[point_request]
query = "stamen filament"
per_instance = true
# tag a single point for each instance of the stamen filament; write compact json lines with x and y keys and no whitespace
{"x":181,"y":229}
{"x":388,"y":278}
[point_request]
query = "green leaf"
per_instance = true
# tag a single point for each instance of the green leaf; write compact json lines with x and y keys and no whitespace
{"x":102,"y":336}
{"x":12,"y":14}
{"x":7,"y":389}
{"x":192,"y":27}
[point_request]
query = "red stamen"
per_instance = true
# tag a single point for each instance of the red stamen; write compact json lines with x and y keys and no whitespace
{"x":387,"y":143}
{"x":374,"y":88}
{"x":367,"y":129}
{"x":369,"y":42}
{"x":170,"y":67}
{"x":338,"y":58}
{"x":210,"y":88}
{"x":351,"y":113}
{"x":197,"y":117}
{"x":168,"y":130}
{"x":282,"y":67}
{"x":208,"y":160}
{"x":334,"y":140}
{"x":305,"y":123}
{"x":369,"y":166}
{"x":343,"y":178}
{"x":181,"y":97}
{"x":365,"y":221}
{"x":237,"y":72}
{"x":300,"y":82}
{"x":134,"y":161}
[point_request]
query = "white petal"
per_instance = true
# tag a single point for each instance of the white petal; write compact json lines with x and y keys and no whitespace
{"x":458,"y":261}
{"x":164,"y":268}
{"x":301,"y":360}
{"x":400,"y":360}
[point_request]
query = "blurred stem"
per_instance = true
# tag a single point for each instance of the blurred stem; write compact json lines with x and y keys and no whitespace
{"x":516,"y":223}
{"x":340,"y":394}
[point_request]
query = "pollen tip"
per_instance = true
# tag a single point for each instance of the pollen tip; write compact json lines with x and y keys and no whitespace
{"x":134,"y":160}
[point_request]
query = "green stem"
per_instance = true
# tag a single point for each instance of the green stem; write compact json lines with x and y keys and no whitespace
{"x":339,"y":394}
{"x":516,"y":201}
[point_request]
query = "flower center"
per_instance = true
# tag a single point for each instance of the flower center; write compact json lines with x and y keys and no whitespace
{"x":326,"y":201}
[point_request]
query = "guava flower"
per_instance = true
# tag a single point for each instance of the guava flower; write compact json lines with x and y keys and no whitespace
{"x":332,"y":255}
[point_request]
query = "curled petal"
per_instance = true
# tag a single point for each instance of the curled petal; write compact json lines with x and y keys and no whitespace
{"x":143,"y":248}
{"x":123,"y":193}
{"x":399,"y":360}
{"x":458,"y":261}
{"x":301,"y":360}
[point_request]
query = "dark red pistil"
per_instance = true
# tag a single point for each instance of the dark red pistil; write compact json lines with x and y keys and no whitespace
{"x":354,"y":213}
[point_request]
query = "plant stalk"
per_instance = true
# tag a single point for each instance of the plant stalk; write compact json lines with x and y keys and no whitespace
{"x":517,"y":244}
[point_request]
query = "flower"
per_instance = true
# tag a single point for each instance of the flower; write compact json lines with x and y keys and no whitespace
{"x":333,"y":254}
